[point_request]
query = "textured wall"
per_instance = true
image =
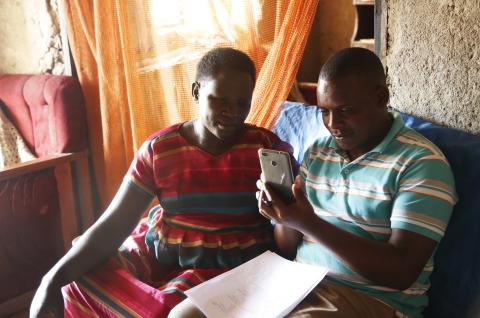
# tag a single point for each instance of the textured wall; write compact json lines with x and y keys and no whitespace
{"x":332,"y":30}
{"x":431,"y":51}
{"x":30,"y":37}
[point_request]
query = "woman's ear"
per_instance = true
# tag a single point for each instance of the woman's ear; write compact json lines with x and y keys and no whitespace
{"x":195,"y":90}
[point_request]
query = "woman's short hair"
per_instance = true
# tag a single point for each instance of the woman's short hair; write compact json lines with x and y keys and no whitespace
{"x":224,"y":58}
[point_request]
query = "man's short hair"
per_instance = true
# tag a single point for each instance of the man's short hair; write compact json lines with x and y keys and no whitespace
{"x":219,"y":59}
{"x":354,"y":60}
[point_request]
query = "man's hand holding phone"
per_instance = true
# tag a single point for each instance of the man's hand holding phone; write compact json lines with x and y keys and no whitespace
{"x":295,"y":215}
{"x":277,"y":172}
{"x":279,"y":197}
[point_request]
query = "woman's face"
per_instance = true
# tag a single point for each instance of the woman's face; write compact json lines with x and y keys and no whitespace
{"x":224,"y":102}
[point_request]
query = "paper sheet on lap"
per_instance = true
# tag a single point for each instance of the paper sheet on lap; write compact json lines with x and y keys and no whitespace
{"x":266,"y":286}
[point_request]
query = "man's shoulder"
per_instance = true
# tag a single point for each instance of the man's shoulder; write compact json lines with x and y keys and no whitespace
{"x":323,"y":142}
{"x":417,"y":154}
{"x":321,"y":150}
{"x":414,"y":145}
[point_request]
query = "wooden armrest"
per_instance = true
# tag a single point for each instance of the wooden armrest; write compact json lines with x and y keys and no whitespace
{"x":73,"y":186}
{"x":39,"y":164}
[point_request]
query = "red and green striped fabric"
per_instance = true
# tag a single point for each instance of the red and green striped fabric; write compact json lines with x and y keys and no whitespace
{"x":207,"y":222}
{"x":132,"y":284}
{"x":208,"y":215}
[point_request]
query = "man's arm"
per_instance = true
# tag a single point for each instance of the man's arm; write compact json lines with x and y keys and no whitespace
{"x":395,"y":263}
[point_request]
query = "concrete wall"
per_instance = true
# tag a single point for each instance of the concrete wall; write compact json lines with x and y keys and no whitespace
{"x":30,"y":40}
{"x":331,"y":31}
{"x":431,"y":50}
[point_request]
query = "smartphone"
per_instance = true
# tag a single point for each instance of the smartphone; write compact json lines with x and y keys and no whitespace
{"x":277,"y":171}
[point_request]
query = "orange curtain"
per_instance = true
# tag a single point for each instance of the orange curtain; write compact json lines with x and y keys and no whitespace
{"x":136,"y":61}
{"x":280,"y":68}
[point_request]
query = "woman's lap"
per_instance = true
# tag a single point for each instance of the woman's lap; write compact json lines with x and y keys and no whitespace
{"x":112,"y":291}
{"x":132,"y":284}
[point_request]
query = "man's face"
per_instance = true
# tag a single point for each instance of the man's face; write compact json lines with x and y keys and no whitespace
{"x":354,"y":111}
{"x":224,"y":102}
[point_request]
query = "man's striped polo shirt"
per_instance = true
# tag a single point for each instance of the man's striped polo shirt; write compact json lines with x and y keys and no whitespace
{"x":405,"y":183}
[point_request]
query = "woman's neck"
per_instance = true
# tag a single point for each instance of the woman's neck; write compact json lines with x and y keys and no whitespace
{"x":198,"y":135}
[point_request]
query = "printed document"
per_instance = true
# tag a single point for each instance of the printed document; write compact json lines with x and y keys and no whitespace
{"x":266,"y":286}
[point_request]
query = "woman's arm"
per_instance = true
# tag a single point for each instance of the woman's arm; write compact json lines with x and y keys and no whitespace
{"x":98,"y":243}
{"x":287,"y":240}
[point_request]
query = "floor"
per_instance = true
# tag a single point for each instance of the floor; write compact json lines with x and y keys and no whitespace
{"x":20,"y":303}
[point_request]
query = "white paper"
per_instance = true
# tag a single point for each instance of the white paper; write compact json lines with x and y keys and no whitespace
{"x":266,"y":286}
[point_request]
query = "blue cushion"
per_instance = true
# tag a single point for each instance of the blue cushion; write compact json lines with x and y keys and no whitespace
{"x":456,"y":278}
{"x":300,"y":125}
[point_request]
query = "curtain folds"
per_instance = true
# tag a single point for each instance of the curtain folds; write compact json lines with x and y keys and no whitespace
{"x":136,"y":61}
{"x":281,"y":65}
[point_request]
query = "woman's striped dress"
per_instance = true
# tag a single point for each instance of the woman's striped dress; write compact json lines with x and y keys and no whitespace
{"x":207,"y":222}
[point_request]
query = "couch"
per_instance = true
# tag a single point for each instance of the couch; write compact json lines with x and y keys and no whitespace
{"x":455,"y":282}
{"x":46,"y":202}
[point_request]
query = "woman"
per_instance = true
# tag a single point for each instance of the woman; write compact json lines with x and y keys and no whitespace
{"x":203,"y":173}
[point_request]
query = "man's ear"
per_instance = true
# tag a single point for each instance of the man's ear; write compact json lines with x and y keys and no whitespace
{"x":383,"y":95}
{"x":195,"y":90}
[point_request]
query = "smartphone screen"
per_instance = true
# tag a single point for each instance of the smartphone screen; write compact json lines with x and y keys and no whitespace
{"x":277,"y":170}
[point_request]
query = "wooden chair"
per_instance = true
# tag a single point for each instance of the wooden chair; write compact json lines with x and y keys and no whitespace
{"x":46,"y":202}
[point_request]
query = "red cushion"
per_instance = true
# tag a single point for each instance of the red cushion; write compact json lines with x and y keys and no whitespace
{"x":48,"y":110}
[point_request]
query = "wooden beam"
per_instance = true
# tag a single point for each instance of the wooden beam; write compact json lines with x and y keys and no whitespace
{"x":363,"y":2}
{"x":377,"y":27}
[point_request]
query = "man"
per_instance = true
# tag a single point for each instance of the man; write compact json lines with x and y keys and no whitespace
{"x":378,"y":197}
{"x":372,"y":201}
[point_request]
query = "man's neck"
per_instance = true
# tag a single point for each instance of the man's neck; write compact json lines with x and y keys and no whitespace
{"x":375,"y":141}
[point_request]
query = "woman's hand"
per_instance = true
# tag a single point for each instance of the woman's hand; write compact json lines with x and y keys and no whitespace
{"x":47,"y":302}
{"x":295,"y":215}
